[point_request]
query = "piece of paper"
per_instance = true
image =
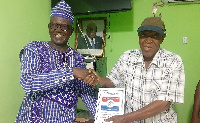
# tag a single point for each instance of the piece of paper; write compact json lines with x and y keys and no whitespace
{"x":110,"y":103}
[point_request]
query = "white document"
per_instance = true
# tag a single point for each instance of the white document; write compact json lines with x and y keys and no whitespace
{"x":110,"y":103}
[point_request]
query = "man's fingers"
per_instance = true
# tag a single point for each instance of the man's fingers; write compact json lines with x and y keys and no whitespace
{"x":90,"y":70}
{"x":95,"y":73}
{"x":91,"y":82}
{"x":87,"y":79}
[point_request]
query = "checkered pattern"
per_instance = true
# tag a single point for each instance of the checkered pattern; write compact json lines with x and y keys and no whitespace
{"x":163,"y":80}
{"x":51,"y":90}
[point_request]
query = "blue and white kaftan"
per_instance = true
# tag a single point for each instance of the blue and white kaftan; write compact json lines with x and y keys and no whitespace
{"x":51,"y":89}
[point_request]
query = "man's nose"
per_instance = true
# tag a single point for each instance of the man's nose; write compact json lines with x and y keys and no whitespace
{"x":149,"y":40}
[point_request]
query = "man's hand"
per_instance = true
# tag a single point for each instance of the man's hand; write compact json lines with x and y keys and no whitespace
{"x":195,"y":120}
{"x":93,"y":76}
{"x":117,"y":119}
{"x":80,"y":73}
{"x":89,"y":76}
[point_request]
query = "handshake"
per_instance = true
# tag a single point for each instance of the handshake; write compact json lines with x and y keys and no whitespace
{"x":89,"y":76}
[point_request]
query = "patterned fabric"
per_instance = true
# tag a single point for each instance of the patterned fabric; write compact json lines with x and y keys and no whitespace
{"x":62,"y":9}
{"x":51,"y":90}
{"x":163,"y":80}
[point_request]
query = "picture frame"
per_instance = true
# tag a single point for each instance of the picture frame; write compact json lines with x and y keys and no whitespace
{"x":87,"y":30}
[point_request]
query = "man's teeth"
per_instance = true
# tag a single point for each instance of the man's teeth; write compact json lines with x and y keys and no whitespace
{"x":58,"y":35}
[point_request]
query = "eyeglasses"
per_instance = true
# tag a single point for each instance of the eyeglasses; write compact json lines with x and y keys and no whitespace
{"x":63,"y":27}
{"x":156,"y":36}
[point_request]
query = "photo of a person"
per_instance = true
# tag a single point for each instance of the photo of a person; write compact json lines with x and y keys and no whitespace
{"x":91,"y":36}
{"x":91,"y":40}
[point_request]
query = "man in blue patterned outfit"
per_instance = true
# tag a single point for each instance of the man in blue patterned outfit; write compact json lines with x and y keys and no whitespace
{"x":52,"y":75}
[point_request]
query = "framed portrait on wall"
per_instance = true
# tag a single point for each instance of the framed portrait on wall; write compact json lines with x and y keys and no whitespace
{"x":90,"y":36}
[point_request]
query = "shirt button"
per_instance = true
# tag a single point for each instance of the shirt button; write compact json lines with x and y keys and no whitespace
{"x":64,"y":78}
{"x":71,"y":77}
{"x":56,"y":81}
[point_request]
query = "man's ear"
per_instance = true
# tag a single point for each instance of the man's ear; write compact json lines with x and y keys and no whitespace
{"x":72,"y":30}
{"x":164,"y":35}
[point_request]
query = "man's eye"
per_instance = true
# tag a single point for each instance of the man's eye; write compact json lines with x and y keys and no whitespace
{"x":156,"y":36}
{"x":53,"y":25}
{"x":142,"y":35}
{"x":65,"y":26}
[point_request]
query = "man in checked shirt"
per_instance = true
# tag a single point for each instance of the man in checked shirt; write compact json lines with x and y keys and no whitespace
{"x":153,"y":77}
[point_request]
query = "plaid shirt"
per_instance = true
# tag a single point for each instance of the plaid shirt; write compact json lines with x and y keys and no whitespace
{"x":163,"y":80}
{"x":51,"y":90}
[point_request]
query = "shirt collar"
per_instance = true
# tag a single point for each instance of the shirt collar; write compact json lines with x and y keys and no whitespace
{"x":156,"y":59}
{"x":69,"y":51}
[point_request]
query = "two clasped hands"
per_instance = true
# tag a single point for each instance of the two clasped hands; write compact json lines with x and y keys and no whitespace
{"x":89,"y":76}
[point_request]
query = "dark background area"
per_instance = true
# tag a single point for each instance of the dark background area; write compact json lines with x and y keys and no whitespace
{"x":81,"y":7}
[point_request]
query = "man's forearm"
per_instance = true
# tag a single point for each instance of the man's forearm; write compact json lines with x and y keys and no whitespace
{"x":105,"y":82}
{"x":150,"y":110}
